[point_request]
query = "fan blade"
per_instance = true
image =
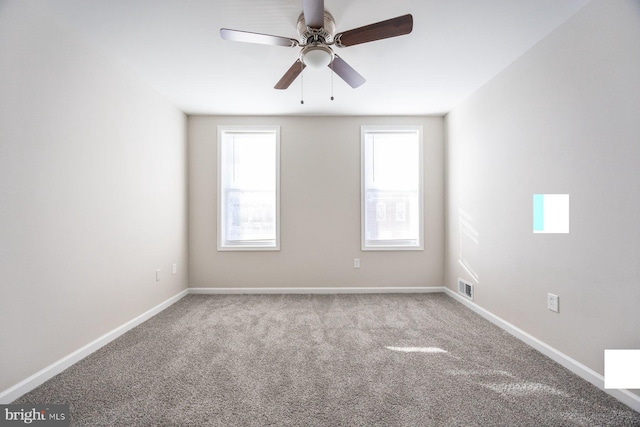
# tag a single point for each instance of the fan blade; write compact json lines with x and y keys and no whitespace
{"x":380,"y":30}
{"x":247,"y":37}
{"x":313,"y":11}
{"x":291,"y":74}
{"x":348,"y":74}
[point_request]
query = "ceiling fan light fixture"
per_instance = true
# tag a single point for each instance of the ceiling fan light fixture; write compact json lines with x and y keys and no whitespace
{"x":317,"y":56}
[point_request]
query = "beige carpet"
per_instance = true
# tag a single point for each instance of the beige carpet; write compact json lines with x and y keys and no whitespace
{"x":324,"y":360}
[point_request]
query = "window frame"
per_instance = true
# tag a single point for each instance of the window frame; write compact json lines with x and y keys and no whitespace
{"x":391,"y":245}
{"x":222,"y":245}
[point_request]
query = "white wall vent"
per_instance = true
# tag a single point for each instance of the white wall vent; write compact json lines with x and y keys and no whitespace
{"x":465,"y":288}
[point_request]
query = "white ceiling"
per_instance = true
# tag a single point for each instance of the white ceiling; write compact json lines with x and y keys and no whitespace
{"x":174,"y":45}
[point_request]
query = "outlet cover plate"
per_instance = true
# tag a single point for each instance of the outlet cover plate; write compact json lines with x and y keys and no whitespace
{"x":553,"y":302}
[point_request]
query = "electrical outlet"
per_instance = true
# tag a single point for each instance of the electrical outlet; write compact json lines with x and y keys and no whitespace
{"x":157,"y":275}
{"x":356,"y":263}
{"x":174,"y":269}
{"x":552,"y":302}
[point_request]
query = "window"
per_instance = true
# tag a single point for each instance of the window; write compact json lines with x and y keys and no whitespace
{"x":392,"y":188}
{"x":248,"y":188}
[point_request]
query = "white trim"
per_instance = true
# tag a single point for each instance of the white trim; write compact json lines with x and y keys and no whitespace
{"x":354,"y":290}
{"x":28,"y":384}
{"x":625,"y":396}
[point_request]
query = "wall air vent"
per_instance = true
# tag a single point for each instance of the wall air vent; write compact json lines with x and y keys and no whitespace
{"x":465,"y":288}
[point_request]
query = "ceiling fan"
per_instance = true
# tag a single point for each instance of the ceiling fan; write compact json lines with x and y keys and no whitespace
{"x":316,"y":28}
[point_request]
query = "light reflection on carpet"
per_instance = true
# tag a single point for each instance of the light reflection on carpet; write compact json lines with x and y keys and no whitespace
{"x":524,"y":388}
{"x":417,"y":349}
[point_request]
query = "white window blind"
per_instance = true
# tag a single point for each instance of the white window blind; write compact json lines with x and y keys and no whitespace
{"x":392,"y":188}
{"x":248,"y":188}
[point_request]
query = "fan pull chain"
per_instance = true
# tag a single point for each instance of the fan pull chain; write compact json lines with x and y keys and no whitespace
{"x":332,"y":80}
{"x":301,"y":82}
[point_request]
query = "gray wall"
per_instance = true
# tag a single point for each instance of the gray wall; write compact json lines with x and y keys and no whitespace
{"x":564,"y":118}
{"x":320,"y":209}
{"x":92,"y":194}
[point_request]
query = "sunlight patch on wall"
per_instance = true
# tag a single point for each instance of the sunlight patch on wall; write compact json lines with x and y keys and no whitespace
{"x":468,"y":243}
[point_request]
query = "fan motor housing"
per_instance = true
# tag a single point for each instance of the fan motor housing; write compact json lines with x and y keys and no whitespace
{"x":322,"y":35}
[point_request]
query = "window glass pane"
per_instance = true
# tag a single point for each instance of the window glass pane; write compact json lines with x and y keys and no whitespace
{"x":251,"y":161}
{"x":394,"y":160}
{"x":250,"y":216}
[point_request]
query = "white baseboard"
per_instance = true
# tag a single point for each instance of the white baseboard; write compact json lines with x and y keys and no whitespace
{"x":625,"y":396}
{"x":354,"y":290}
{"x":28,"y":384}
